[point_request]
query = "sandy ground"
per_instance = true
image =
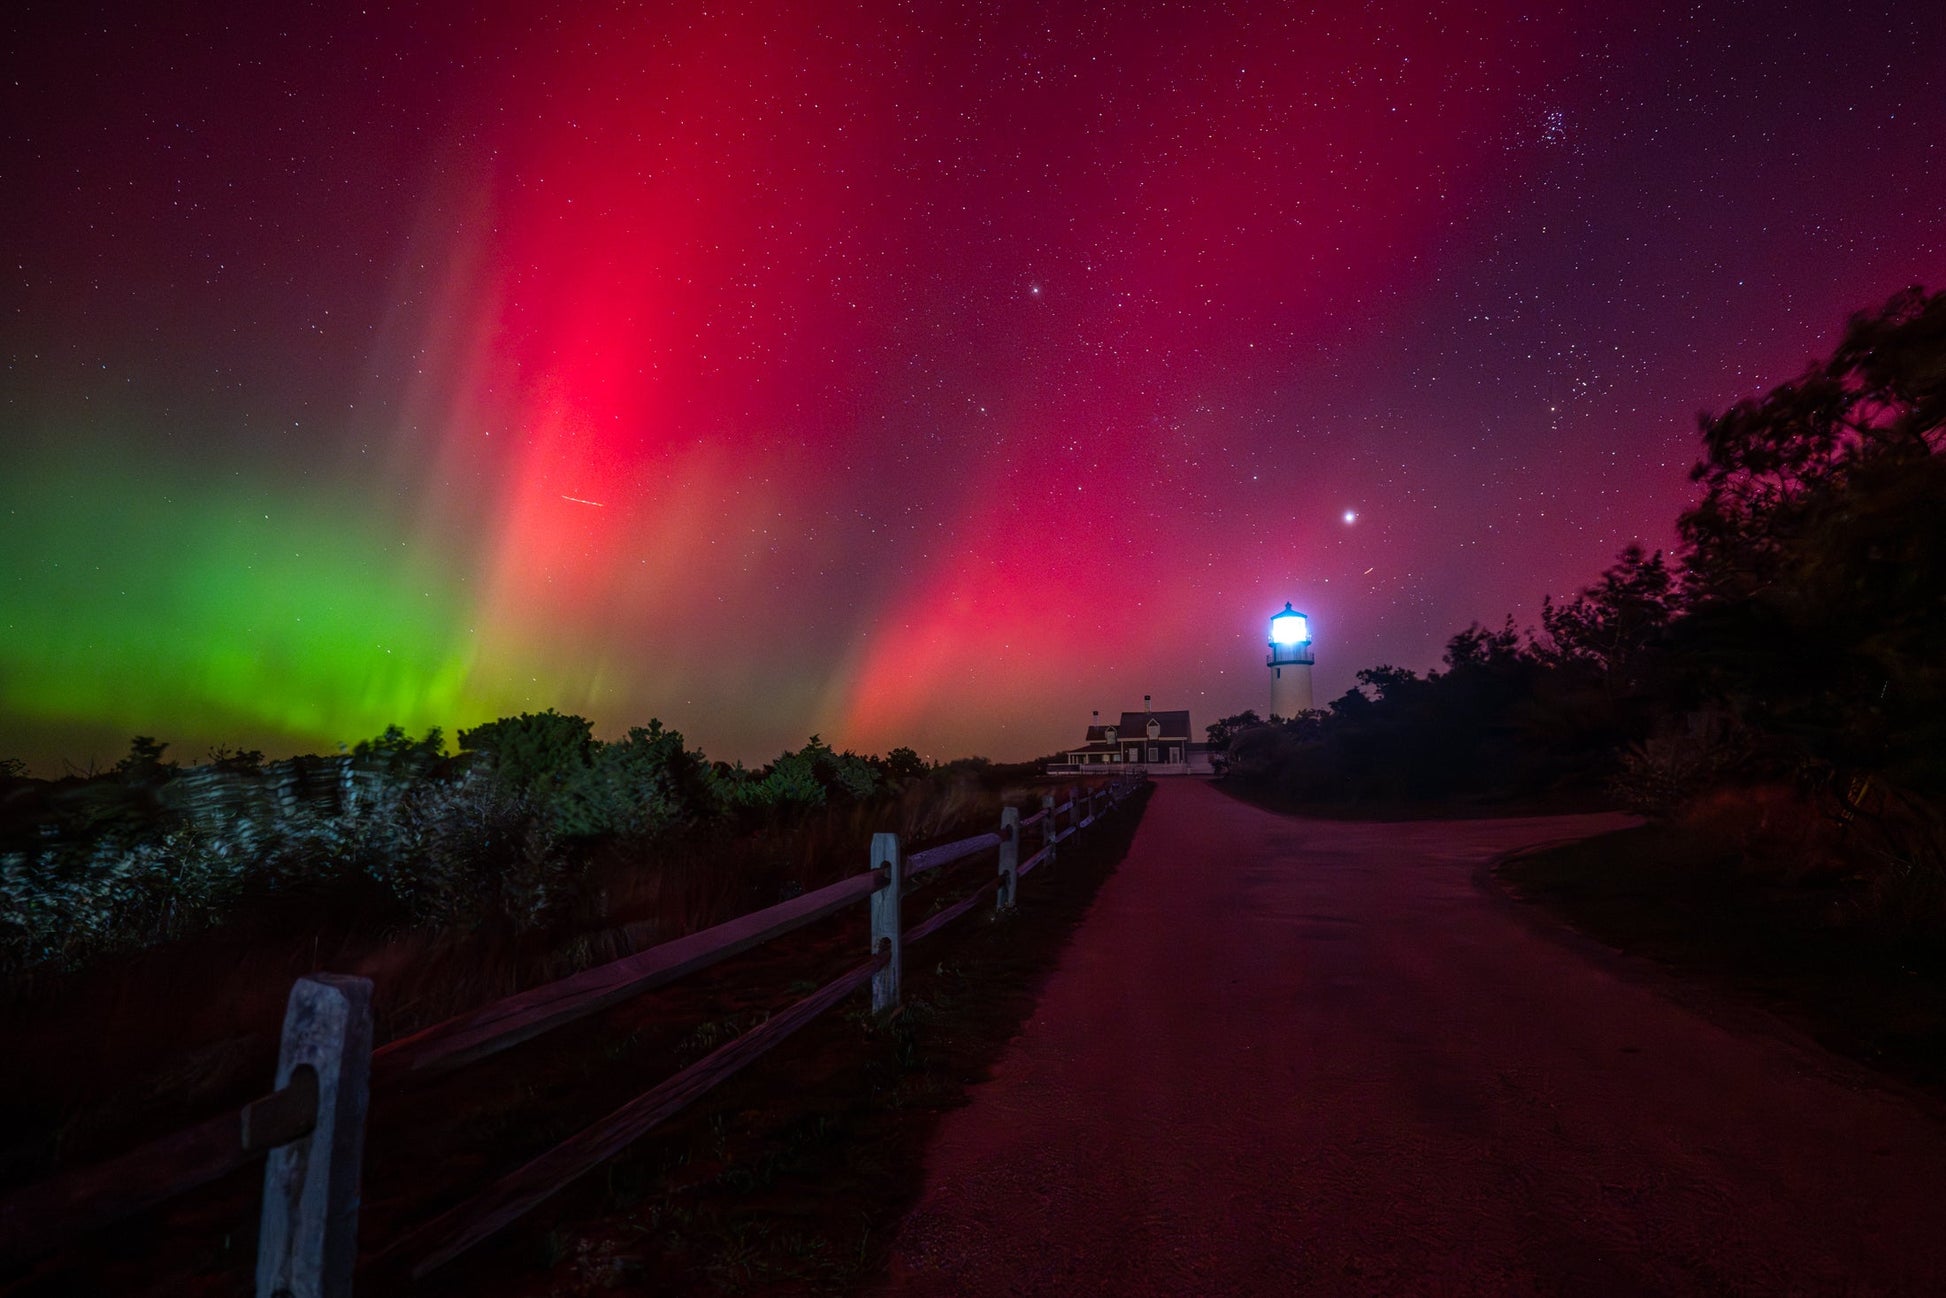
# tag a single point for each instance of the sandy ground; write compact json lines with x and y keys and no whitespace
{"x":1290,"y":1056}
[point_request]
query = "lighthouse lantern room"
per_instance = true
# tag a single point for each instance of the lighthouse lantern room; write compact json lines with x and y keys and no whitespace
{"x":1290,"y":663}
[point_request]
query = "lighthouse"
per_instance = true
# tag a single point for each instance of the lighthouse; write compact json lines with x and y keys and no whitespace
{"x":1290,"y":663}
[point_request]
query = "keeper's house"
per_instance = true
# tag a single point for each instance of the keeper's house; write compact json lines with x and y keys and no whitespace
{"x":1142,"y":743}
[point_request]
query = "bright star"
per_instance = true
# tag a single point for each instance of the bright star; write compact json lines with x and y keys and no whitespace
{"x":1351,"y":516}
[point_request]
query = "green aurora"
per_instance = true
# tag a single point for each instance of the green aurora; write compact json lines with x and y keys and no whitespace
{"x":143,"y":596}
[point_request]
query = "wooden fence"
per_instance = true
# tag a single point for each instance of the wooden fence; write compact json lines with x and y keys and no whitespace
{"x":310,"y":1127}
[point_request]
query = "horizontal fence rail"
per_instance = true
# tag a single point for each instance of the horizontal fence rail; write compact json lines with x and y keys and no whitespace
{"x":310,"y":1128}
{"x":935,"y":857}
{"x":76,"y":1202}
{"x":526,"y":1015}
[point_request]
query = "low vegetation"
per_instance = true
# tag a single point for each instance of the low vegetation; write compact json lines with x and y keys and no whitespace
{"x":1778,"y":921}
{"x":801,"y":1188}
{"x":453,"y":878}
{"x":517,"y":831}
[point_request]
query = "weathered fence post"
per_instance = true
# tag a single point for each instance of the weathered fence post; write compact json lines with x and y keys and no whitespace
{"x":885,"y":921}
{"x":1009,"y":858}
{"x":307,"y":1239}
{"x":1048,"y":831}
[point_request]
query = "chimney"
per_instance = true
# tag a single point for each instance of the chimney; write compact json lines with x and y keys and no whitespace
{"x":1147,"y":704}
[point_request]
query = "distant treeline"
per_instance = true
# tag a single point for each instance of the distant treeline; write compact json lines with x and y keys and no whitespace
{"x":500,"y":833}
{"x":1797,"y":639}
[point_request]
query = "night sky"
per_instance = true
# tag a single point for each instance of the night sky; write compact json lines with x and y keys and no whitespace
{"x":920,"y":374}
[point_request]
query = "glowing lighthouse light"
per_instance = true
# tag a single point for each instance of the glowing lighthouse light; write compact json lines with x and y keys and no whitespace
{"x":1289,"y":628}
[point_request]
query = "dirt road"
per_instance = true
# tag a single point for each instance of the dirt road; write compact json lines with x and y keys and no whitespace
{"x":1288,"y":1056}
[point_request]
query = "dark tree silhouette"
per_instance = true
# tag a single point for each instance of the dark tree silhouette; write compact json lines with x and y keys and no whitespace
{"x":144,"y":764}
{"x":535,"y":749}
{"x":1222,"y":730}
{"x":1608,"y":630}
{"x":1816,"y":560}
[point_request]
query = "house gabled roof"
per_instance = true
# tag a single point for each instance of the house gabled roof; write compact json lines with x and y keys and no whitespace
{"x":1134,"y":727}
{"x":1175,"y":725}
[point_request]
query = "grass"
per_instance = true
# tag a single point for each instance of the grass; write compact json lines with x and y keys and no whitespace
{"x":793,"y":1177}
{"x":1807,"y":945}
{"x":209,"y":1007}
{"x":789,"y":1178}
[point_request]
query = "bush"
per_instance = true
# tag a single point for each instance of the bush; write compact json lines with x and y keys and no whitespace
{"x":1905,"y":895}
{"x":637,"y":787}
{"x":1660,"y":776}
{"x":804,"y":779}
{"x":501,"y":836}
{"x":535,"y":752}
{"x":66,"y":905}
{"x":477,"y":854}
{"x":900,"y":765}
{"x":395,"y":753}
{"x":465,"y":852}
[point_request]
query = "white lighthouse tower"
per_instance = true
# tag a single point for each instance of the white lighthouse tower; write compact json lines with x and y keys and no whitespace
{"x":1290,"y":663}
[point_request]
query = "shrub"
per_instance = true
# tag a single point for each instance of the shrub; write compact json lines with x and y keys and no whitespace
{"x":478,"y":853}
{"x":65,"y":905}
{"x":638,"y":786}
{"x":535,"y":752}
{"x":398,"y":754}
{"x":804,"y":779}
{"x":1660,"y":776}
{"x":900,"y":765}
{"x":1905,"y":895}
{"x":144,"y":764}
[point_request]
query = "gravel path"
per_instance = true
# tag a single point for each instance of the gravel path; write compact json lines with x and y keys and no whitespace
{"x":1291,"y":1056}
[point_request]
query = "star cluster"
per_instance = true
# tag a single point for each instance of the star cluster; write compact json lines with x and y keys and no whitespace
{"x":922,"y":374}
